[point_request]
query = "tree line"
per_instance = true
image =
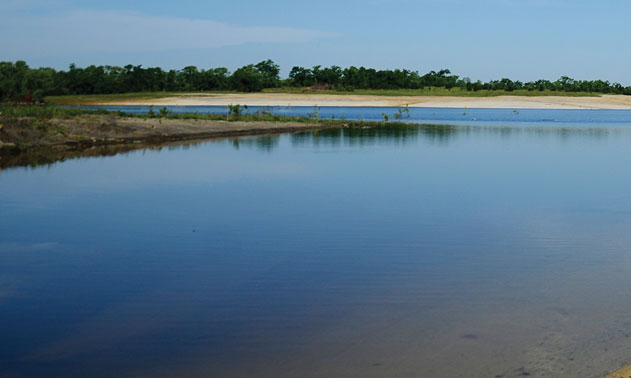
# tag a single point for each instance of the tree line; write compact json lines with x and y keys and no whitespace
{"x":19,"y":82}
{"x":368,"y":78}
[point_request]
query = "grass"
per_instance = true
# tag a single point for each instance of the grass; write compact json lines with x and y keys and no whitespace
{"x":432,"y":91}
{"x":48,"y":111}
{"x":99,"y":98}
{"x":39,"y":113}
{"x":253,"y":117}
{"x":43,"y":111}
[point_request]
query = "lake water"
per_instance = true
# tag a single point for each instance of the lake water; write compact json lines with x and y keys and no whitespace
{"x":473,"y":251}
{"x":597,"y":118}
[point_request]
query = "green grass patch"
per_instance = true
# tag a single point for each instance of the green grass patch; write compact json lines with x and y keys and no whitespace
{"x":47,"y":111}
{"x":255,"y":117}
{"x":43,"y":111}
{"x":100,"y":98}
{"x":432,"y":91}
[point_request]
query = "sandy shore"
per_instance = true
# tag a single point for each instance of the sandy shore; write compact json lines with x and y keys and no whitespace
{"x":282,"y":99}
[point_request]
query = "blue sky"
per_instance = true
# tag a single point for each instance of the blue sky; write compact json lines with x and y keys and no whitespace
{"x":485,"y":39}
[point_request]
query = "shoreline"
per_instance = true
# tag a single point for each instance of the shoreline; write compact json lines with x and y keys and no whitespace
{"x":285,"y":99}
{"x":37,"y":135}
{"x":61,"y":137}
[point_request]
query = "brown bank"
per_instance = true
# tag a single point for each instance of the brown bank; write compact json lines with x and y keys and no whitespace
{"x":32,"y":141}
{"x":625,"y":372}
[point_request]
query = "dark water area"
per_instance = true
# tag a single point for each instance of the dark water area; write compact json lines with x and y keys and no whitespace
{"x":394,"y":252}
{"x":439,"y":116}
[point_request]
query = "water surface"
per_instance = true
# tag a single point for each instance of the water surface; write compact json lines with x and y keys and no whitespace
{"x":414,"y":252}
{"x":600,"y":118}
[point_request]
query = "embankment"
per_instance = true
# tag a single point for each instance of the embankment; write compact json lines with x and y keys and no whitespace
{"x":35,"y":139}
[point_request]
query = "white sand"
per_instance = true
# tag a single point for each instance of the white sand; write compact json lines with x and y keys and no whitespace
{"x":282,"y":99}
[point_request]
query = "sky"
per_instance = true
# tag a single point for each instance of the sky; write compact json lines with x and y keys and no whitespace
{"x":481,"y":39}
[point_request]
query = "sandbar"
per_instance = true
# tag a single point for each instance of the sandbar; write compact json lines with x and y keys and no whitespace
{"x":285,"y":99}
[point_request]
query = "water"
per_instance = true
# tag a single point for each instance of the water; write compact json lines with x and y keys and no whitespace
{"x":416,"y":252}
{"x":441,"y":116}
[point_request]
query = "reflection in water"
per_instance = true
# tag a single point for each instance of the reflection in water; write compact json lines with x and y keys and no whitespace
{"x":423,"y":251}
{"x":367,"y":135}
{"x":437,"y":133}
{"x":263,"y":142}
{"x":47,"y":156}
{"x":363,"y":136}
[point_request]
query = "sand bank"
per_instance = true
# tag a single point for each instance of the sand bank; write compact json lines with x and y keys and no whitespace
{"x":283,"y":99}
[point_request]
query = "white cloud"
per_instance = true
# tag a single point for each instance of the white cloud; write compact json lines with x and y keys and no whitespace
{"x":82,"y":31}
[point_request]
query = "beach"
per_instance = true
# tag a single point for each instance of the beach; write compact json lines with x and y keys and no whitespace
{"x":310,"y":99}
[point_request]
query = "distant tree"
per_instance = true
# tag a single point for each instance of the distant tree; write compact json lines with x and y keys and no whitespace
{"x":19,"y":82}
{"x":38,"y":83}
{"x":442,"y":78}
{"x":247,"y":79}
{"x":565,"y":84}
{"x":331,"y":75}
{"x":191,"y":78}
{"x":353,"y":77}
{"x":135,"y":79}
{"x":464,"y":83}
{"x":506,"y":85}
{"x":170,"y":81}
{"x":270,"y":72}
{"x":301,"y":77}
{"x":216,"y":79}
{"x":11,"y":78}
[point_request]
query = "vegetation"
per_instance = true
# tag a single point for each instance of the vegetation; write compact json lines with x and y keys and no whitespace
{"x":354,"y":78}
{"x":100,"y":98}
{"x":44,"y":111}
{"x":235,"y":113}
{"x":20,"y":83}
{"x":429,"y":91}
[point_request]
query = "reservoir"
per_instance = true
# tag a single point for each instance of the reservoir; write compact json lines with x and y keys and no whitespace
{"x":496,"y":247}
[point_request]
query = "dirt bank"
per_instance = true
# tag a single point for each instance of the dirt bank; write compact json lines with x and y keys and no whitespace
{"x":625,"y":372}
{"x":24,"y":140}
{"x":100,"y":130}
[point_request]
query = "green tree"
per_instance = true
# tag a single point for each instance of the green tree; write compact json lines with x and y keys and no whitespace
{"x":247,"y":79}
{"x":191,"y":79}
{"x":11,"y":78}
{"x":215,"y":79}
{"x":270,"y":72}
{"x":38,"y":83}
{"x":301,"y":77}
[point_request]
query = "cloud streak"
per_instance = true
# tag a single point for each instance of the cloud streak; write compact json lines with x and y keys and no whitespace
{"x":80,"y":31}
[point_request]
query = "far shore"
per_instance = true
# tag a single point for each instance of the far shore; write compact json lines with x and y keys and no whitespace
{"x":287,"y":99}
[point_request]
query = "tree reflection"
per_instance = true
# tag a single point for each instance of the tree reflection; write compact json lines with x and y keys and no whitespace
{"x":354,"y":135}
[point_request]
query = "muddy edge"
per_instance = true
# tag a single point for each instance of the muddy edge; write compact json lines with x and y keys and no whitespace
{"x":31,"y":141}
